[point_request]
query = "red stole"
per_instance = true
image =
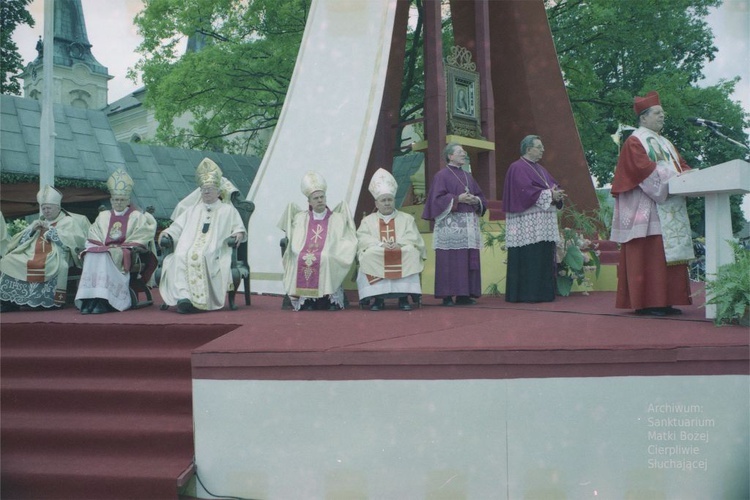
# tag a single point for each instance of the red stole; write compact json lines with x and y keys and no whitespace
{"x":35,"y":266}
{"x":115,"y":237}
{"x":392,"y":266}
{"x":308,"y":262}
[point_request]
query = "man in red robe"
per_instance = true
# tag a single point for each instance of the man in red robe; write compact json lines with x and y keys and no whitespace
{"x":651,"y":226}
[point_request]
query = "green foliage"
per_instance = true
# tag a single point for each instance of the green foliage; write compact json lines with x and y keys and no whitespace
{"x":612,"y":50}
{"x":233,"y":87}
{"x":604,"y":213}
{"x":576,"y":253}
{"x":16,"y":226}
{"x":12,"y":14}
{"x":10,"y":178}
{"x":493,"y":234}
{"x":413,"y":85}
{"x":729,"y":290}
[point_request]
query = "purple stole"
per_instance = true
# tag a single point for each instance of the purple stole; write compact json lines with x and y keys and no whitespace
{"x":308,"y":262}
{"x":391,"y":258}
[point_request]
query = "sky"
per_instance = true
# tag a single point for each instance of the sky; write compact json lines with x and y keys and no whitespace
{"x":114,"y":40}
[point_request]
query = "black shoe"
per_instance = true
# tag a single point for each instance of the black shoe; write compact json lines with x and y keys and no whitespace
{"x":448,"y":301}
{"x":671,"y":311}
{"x":184,"y":306}
{"x":403,"y":304}
{"x":88,"y":305}
{"x":463,"y":300}
{"x":7,"y":306}
{"x":101,"y":307}
{"x":651,"y":311}
{"x":378,"y":305}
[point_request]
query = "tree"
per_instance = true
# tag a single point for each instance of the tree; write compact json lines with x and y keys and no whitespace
{"x":612,"y":50}
{"x":233,"y":88}
{"x":12,"y":14}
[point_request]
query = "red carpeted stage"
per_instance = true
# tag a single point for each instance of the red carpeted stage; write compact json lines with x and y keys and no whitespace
{"x":99,"y":406}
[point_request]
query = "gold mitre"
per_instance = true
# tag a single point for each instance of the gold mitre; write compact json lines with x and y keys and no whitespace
{"x":311,"y":182}
{"x":383,"y":182}
{"x":49,"y":196}
{"x":208,"y":173}
{"x":120,"y":183}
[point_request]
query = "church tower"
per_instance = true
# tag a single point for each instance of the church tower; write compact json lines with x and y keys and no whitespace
{"x":79,"y":79}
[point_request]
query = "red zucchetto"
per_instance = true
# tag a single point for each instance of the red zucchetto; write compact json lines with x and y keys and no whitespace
{"x":641,"y":104}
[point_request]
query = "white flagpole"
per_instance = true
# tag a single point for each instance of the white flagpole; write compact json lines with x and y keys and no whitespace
{"x":47,"y":124}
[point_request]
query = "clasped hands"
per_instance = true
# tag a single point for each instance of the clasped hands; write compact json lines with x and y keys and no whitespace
{"x":468,"y":198}
{"x":558,"y":194}
{"x":40,"y":224}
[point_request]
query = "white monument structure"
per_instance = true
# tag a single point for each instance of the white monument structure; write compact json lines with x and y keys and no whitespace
{"x":716,"y":184}
{"x":327,"y":124}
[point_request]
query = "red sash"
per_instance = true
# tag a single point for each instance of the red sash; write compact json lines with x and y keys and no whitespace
{"x":116,"y":233}
{"x":35,"y":266}
{"x":391,"y":258}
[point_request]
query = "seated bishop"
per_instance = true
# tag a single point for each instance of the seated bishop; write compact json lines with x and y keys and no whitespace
{"x":391,"y":251}
{"x":196,"y":276}
{"x":320,"y":251}
{"x":114,"y":238}
{"x":34,"y":271}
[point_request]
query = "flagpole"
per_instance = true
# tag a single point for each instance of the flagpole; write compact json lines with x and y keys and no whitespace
{"x":47,"y":124}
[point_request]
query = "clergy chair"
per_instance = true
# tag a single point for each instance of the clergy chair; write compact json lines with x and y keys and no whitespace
{"x":138,"y":285}
{"x":240,"y":262}
{"x":74,"y":276}
{"x":286,"y":303}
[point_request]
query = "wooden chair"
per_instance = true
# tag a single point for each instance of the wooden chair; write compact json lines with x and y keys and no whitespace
{"x":240,"y":263}
{"x":137,"y":284}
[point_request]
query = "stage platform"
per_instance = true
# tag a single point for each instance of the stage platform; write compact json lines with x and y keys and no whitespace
{"x":575,"y":336}
{"x":495,"y":400}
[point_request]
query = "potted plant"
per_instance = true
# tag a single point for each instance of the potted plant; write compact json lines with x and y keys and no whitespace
{"x":575,"y":256}
{"x":729,"y":290}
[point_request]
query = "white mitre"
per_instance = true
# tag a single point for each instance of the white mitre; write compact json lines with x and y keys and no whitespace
{"x":311,"y":182}
{"x":49,"y":196}
{"x":382,"y":183}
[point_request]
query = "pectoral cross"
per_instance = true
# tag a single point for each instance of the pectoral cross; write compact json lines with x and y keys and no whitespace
{"x":388,"y":238}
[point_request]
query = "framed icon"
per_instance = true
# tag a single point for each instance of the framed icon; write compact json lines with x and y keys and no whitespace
{"x":463,"y":100}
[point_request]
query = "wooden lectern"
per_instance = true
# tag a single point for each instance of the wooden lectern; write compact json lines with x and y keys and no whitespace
{"x":715,"y":184}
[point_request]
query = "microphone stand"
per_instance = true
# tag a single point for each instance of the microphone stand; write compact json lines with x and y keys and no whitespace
{"x":715,"y":130}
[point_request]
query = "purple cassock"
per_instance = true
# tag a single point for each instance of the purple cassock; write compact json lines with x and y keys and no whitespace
{"x":456,"y":237}
{"x":524,"y":182}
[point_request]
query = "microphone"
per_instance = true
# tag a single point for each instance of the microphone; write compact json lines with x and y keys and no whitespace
{"x":704,"y":123}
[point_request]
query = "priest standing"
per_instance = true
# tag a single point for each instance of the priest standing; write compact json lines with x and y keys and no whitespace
{"x":531,"y":198}
{"x":652,"y":227}
{"x":455,"y":203}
